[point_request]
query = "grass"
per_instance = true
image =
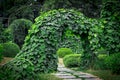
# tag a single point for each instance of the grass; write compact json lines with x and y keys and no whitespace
{"x":48,"y":77}
{"x":104,"y":74}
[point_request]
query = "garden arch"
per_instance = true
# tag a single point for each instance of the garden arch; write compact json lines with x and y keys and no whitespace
{"x":48,"y":32}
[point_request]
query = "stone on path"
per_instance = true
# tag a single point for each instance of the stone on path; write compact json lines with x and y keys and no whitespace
{"x":62,"y":74}
{"x":68,"y":74}
{"x":65,"y":70}
{"x":94,"y":79}
{"x":72,"y":79}
{"x":67,"y":77}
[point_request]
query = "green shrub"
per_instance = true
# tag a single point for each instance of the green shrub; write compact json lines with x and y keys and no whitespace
{"x":63,"y":52}
{"x":1,"y":50}
{"x":113,"y":63}
{"x":72,"y":60}
{"x":5,"y":35}
{"x":19,"y":30}
{"x":18,"y":69}
{"x":100,"y":63}
{"x":10,"y":49}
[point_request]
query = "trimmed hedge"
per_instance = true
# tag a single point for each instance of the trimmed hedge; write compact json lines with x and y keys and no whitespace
{"x":19,"y":30}
{"x":113,"y":63}
{"x":63,"y":52}
{"x":10,"y":49}
{"x":72,"y":60}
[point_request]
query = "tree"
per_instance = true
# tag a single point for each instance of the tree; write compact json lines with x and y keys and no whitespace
{"x":90,"y":8}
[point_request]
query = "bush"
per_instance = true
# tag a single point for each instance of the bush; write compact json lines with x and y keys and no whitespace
{"x":113,"y":63}
{"x":100,"y":63}
{"x":18,"y":69}
{"x":63,"y":52}
{"x":5,"y":35}
{"x":72,"y":60}
{"x":10,"y":49}
{"x":1,"y":50}
{"x":19,"y":30}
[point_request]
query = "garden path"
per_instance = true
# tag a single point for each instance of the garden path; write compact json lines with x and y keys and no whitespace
{"x":68,"y":74}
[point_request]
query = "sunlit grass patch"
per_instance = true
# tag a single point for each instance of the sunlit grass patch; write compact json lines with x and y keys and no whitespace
{"x":104,"y":74}
{"x":48,"y":77}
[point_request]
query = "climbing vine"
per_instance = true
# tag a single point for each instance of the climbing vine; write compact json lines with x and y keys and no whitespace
{"x":72,"y":41}
{"x":50,"y":29}
{"x":110,"y":38}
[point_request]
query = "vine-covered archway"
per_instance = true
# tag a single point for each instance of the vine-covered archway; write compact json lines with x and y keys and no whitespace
{"x":47,"y":33}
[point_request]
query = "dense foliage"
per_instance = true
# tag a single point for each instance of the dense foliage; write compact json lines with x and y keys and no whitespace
{"x":48,"y":32}
{"x":63,"y":52}
{"x":72,"y":41}
{"x":10,"y":49}
{"x":5,"y":35}
{"x":1,"y":50}
{"x":25,"y":12}
{"x":17,"y":9}
{"x":1,"y":33}
{"x":110,"y":39}
{"x":55,"y":29}
{"x":72,"y":60}
{"x":90,"y":8}
{"x":100,"y":63}
{"x":18,"y":69}
{"x":51,"y":27}
{"x":19,"y":29}
{"x":113,"y":63}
